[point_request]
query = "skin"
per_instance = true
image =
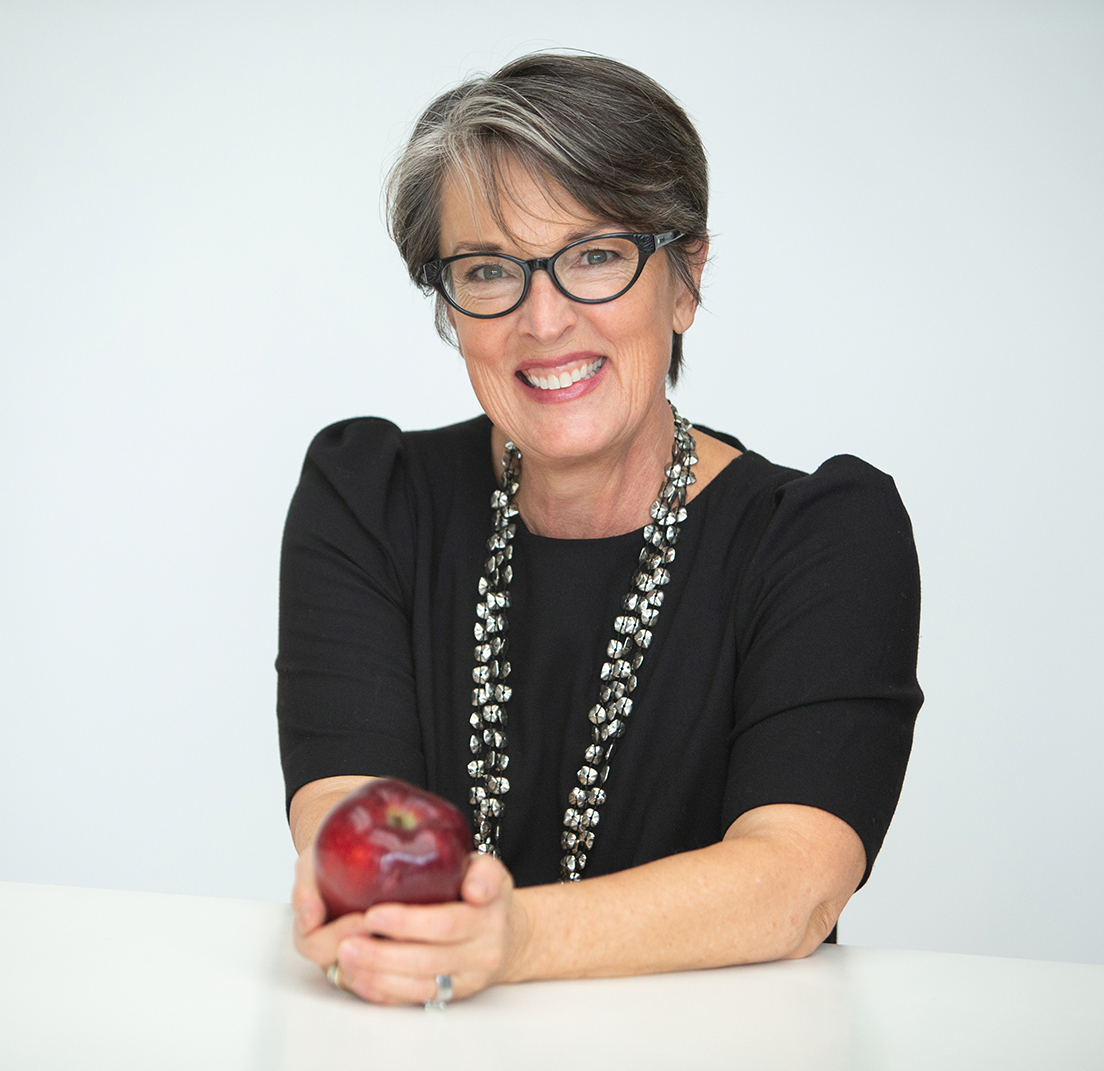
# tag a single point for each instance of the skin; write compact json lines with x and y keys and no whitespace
{"x":593,"y":459}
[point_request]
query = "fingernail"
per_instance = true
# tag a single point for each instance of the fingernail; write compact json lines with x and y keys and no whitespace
{"x":347,"y":953}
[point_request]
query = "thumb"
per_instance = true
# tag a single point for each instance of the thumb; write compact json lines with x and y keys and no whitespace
{"x":483,"y":881}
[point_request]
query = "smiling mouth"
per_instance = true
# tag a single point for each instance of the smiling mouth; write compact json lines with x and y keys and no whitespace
{"x":565,"y":378}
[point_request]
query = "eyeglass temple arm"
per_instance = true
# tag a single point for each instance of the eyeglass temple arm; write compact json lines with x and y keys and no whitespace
{"x":666,"y":238}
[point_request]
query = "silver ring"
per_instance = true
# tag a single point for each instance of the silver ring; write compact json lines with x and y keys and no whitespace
{"x":444,"y":992}
{"x":335,"y":980}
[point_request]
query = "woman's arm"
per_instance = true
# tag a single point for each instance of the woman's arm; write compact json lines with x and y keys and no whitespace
{"x":772,"y":889}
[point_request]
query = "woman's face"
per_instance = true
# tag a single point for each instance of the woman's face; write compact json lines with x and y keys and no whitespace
{"x":622,"y":347}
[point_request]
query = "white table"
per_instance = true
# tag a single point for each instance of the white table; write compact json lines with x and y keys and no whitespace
{"x":97,"y":979}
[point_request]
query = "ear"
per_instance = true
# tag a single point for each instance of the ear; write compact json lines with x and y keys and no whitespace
{"x":685,"y":305}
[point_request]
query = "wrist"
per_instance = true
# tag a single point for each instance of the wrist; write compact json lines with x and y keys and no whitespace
{"x":517,"y":964}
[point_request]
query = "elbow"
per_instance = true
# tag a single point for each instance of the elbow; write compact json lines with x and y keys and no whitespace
{"x":809,"y":938}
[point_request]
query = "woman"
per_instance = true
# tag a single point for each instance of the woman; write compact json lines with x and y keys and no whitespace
{"x":708,"y":699}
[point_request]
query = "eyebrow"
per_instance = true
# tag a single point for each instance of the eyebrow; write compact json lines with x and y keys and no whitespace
{"x":596,"y":230}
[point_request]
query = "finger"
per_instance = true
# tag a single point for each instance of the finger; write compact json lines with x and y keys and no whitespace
{"x":367,"y":955}
{"x":432,"y":923}
{"x":484,"y":880}
{"x":371,"y":955}
{"x":310,"y":910}
{"x":388,"y":988}
{"x":320,"y":945}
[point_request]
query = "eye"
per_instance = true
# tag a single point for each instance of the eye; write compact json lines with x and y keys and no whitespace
{"x":594,"y":257}
{"x":486,"y":273}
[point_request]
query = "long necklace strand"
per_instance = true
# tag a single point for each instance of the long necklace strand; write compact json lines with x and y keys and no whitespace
{"x":625,"y":654}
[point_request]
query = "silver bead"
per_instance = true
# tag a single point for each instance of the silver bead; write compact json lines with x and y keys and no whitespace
{"x":625,"y":654}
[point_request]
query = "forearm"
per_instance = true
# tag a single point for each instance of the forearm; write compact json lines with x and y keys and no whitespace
{"x":747,"y":899}
{"x":313,"y":802}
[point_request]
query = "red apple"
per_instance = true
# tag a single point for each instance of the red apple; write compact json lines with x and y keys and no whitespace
{"x":390,"y":841}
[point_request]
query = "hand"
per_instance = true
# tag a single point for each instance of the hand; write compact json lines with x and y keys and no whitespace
{"x":393,"y":953}
{"x":313,"y":940}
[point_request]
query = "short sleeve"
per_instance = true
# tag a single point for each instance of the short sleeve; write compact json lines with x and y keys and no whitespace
{"x":345,"y":700}
{"x":826,"y":693}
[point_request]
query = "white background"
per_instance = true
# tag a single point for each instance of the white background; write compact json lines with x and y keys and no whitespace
{"x":195,"y":277}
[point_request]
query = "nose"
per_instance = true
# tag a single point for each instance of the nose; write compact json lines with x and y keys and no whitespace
{"x":545,"y":314}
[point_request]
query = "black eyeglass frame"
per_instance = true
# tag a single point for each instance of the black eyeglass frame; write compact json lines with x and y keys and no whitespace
{"x":647,"y":244}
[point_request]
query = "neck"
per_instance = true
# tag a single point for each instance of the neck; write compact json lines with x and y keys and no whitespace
{"x":594,"y":497}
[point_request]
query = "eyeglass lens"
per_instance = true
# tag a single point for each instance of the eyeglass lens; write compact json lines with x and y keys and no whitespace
{"x":596,"y":269}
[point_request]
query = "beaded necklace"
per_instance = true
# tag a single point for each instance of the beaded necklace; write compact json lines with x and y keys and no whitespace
{"x":632,"y":635}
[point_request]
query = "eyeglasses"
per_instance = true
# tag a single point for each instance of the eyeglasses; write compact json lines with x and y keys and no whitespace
{"x":591,"y":271}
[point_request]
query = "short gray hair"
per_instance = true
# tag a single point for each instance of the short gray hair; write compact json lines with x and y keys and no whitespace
{"x":611,"y":137}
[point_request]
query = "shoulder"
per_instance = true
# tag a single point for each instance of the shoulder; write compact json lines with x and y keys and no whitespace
{"x":844,"y":489}
{"x":360,"y":440}
{"x":778,"y":516}
{"x":366,"y":455}
{"x":366,"y":475}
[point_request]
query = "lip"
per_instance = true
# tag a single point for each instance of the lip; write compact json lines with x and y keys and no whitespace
{"x":561,"y":394}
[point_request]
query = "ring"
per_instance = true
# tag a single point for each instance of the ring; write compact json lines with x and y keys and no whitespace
{"x":331,"y":973}
{"x":444,"y":992}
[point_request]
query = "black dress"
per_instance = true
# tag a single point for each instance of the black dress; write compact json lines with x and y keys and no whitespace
{"x":782,"y":668}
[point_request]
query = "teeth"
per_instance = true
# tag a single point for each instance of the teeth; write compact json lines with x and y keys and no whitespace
{"x":564,"y":379}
